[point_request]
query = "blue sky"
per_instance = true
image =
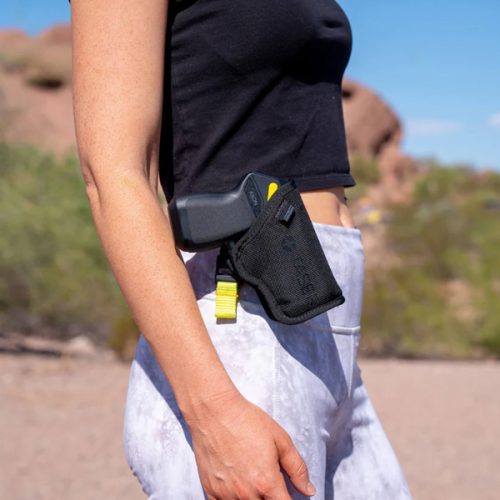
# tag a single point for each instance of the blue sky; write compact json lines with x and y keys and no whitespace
{"x":436,"y":62}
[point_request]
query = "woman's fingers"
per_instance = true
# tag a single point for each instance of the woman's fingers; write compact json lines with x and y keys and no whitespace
{"x":279,"y":490}
{"x":293,"y":464}
{"x":239,"y":449}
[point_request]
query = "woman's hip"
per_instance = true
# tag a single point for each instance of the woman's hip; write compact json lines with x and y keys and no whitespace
{"x":268,"y":360}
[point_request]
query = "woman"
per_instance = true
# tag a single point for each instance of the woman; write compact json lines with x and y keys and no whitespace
{"x":195,"y":94}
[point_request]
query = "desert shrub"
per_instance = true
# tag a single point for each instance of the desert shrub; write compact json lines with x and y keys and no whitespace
{"x":447,"y":234}
{"x":54,"y":275}
{"x":365,"y":171}
{"x":405,"y":315}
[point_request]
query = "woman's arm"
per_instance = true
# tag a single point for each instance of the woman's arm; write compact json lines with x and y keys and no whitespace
{"x":118,"y":53}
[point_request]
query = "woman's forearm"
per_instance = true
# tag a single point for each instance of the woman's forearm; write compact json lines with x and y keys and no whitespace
{"x":138,"y":241}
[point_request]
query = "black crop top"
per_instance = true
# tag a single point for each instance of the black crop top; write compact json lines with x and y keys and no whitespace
{"x":254,"y":85}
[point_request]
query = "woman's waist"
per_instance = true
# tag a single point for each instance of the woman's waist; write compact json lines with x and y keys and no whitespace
{"x":328,"y":205}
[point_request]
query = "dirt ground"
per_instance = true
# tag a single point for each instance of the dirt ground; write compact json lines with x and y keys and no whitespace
{"x":60,"y":427}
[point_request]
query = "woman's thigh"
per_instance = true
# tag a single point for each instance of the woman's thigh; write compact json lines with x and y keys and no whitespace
{"x":314,"y":386}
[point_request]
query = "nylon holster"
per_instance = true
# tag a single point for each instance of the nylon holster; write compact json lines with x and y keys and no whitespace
{"x":281,"y":256}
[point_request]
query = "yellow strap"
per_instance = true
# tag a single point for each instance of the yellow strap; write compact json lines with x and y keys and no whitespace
{"x":226,"y":296}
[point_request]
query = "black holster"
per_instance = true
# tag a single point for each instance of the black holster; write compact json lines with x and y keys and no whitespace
{"x":281,"y":256}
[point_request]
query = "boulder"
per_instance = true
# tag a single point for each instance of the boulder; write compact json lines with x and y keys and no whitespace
{"x":59,"y":34}
{"x":374,"y":130}
{"x":369,"y":121}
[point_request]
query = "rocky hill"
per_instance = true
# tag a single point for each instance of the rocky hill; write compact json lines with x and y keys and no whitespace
{"x":35,"y":96}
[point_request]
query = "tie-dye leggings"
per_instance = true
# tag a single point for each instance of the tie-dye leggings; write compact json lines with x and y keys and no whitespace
{"x":305,"y":376}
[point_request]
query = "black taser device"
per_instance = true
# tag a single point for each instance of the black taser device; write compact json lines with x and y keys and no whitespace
{"x":266,"y":240}
{"x":202,"y":221}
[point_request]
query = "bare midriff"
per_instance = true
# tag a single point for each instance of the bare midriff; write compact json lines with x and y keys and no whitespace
{"x":328,"y":206}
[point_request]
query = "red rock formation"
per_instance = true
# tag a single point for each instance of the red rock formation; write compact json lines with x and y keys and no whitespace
{"x":60,"y":34}
{"x":35,"y":98}
{"x":374,"y":130}
{"x":370,"y":123}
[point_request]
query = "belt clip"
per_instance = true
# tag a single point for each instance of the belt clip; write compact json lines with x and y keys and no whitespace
{"x":226,"y":286}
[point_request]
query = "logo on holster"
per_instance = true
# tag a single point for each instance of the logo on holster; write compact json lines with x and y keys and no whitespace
{"x":306,"y":286}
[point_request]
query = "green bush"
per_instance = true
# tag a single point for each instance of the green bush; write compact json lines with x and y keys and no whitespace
{"x":366,"y":172}
{"x":365,"y":169}
{"x":54,"y":275}
{"x":448,"y":233}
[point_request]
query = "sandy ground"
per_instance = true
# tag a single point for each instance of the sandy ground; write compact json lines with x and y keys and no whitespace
{"x":60,"y":427}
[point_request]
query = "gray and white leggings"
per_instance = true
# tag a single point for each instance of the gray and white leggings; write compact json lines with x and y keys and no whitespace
{"x":305,"y":376}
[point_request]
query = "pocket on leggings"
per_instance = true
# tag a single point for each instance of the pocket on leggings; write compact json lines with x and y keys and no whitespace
{"x":347,"y":341}
{"x":345,"y":330}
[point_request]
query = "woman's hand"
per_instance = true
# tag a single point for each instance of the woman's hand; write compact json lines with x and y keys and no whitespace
{"x":239,"y":449}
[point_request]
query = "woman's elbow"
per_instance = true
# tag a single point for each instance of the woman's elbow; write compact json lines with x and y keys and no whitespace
{"x":105,"y":181}
{"x":89,"y":179}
